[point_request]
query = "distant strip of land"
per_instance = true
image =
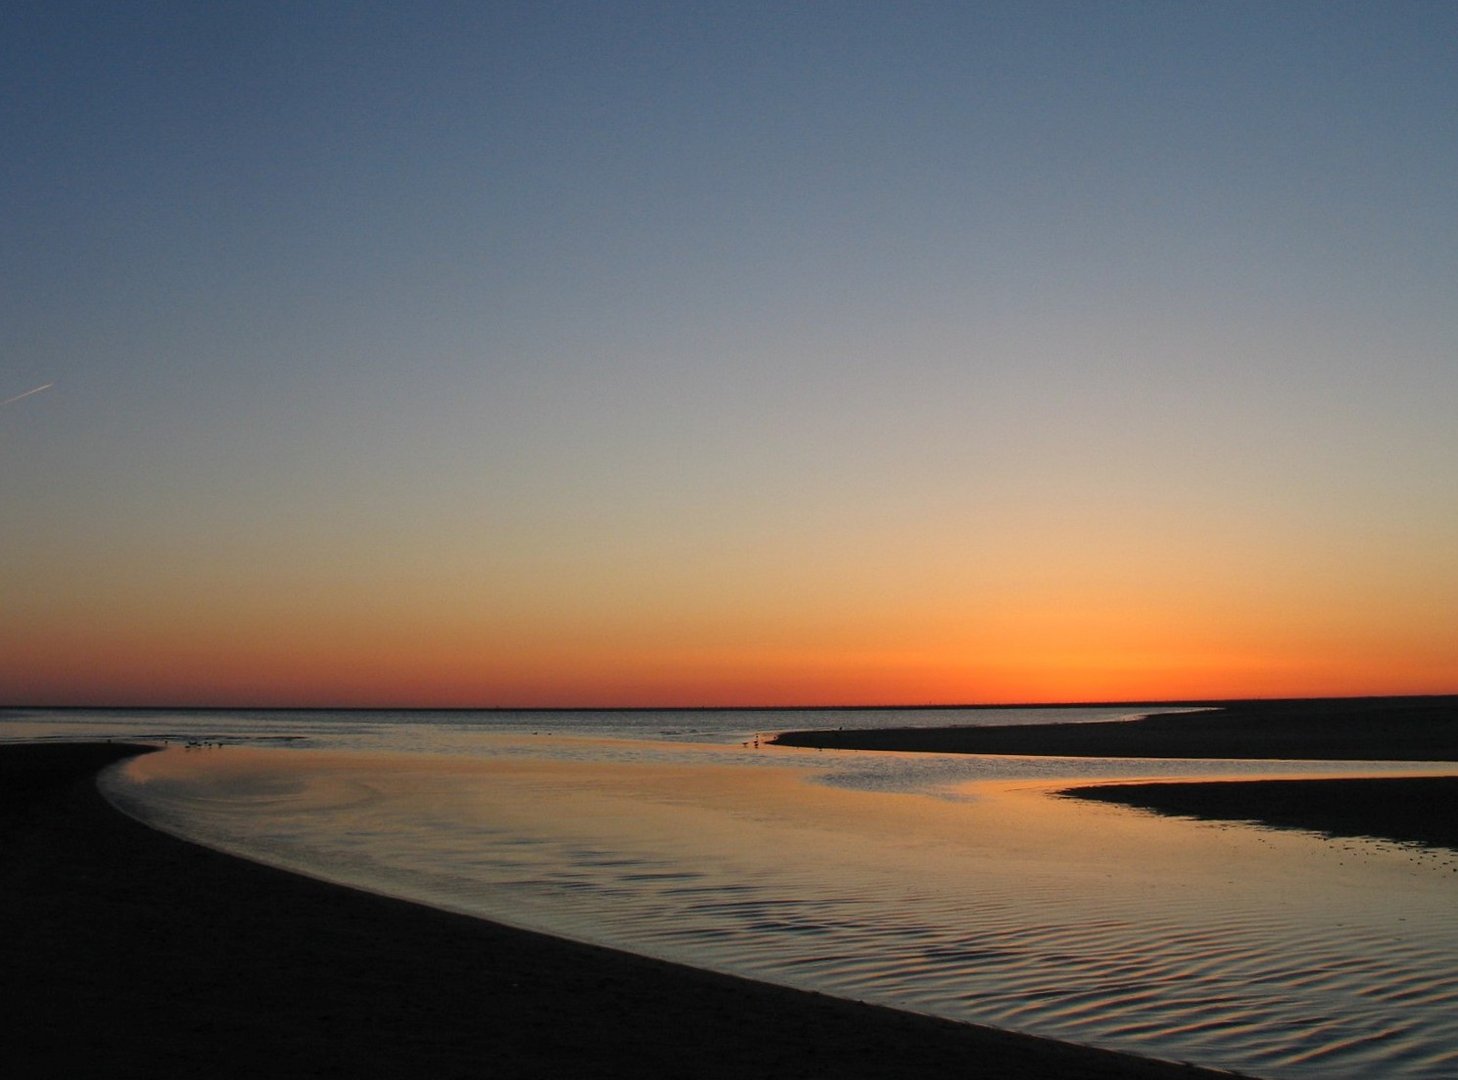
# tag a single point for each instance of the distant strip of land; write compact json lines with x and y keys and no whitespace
{"x":1334,"y":729}
{"x":1408,"y":809}
{"x":129,"y":954}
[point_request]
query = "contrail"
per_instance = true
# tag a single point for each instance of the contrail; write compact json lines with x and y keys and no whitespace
{"x":37,"y":390}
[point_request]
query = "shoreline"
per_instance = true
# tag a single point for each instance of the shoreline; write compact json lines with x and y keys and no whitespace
{"x":1422,"y":810}
{"x":1375,"y":729}
{"x":142,"y":955}
{"x":1404,"y":809}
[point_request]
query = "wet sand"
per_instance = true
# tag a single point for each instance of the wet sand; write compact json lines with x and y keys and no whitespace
{"x":128,"y":953}
{"x":1338,"y":729}
{"x":1408,"y":809}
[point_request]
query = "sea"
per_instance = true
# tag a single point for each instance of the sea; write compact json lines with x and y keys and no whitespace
{"x":962,"y":886}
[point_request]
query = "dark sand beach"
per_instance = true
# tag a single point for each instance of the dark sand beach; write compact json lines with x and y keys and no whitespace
{"x":1336,"y":729}
{"x":1408,"y":809}
{"x":128,"y":953}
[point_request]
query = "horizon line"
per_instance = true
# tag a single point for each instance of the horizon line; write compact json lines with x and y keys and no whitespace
{"x":1091,"y":704}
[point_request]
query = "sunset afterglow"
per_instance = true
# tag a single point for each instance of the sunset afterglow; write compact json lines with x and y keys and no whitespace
{"x":523,"y":355}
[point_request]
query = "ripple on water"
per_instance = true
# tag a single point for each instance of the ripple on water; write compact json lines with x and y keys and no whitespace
{"x":1265,"y":955}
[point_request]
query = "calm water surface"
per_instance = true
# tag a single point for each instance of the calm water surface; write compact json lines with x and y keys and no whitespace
{"x":954,"y":885}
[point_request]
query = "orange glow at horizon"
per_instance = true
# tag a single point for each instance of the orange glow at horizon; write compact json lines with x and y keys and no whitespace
{"x":1013,"y":661}
{"x":1052,"y":606}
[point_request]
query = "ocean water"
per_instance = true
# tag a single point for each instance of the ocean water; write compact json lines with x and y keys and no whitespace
{"x":961,"y":886}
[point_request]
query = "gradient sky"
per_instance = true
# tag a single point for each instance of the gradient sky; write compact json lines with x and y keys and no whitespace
{"x":563,"y":353}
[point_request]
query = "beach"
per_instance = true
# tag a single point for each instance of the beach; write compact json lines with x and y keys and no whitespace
{"x":1408,"y":810}
{"x":1420,"y":810}
{"x":132,"y":953}
{"x":1339,"y":729}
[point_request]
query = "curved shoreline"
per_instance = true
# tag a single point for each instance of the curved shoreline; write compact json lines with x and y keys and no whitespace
{"x":138,"y":954}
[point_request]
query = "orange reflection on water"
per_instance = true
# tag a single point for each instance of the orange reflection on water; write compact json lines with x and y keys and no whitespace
{"x":988,"y":900}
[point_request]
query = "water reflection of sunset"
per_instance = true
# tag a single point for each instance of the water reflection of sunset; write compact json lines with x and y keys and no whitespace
{"x":958,"y":886}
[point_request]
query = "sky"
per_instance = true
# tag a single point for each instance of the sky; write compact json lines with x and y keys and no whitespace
{"x":572,"y":354}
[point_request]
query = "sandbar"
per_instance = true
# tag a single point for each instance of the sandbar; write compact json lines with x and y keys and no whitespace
{"x":1407,"y":809}
{"x":1330,"y":729}
{"x":1421,"y":810}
